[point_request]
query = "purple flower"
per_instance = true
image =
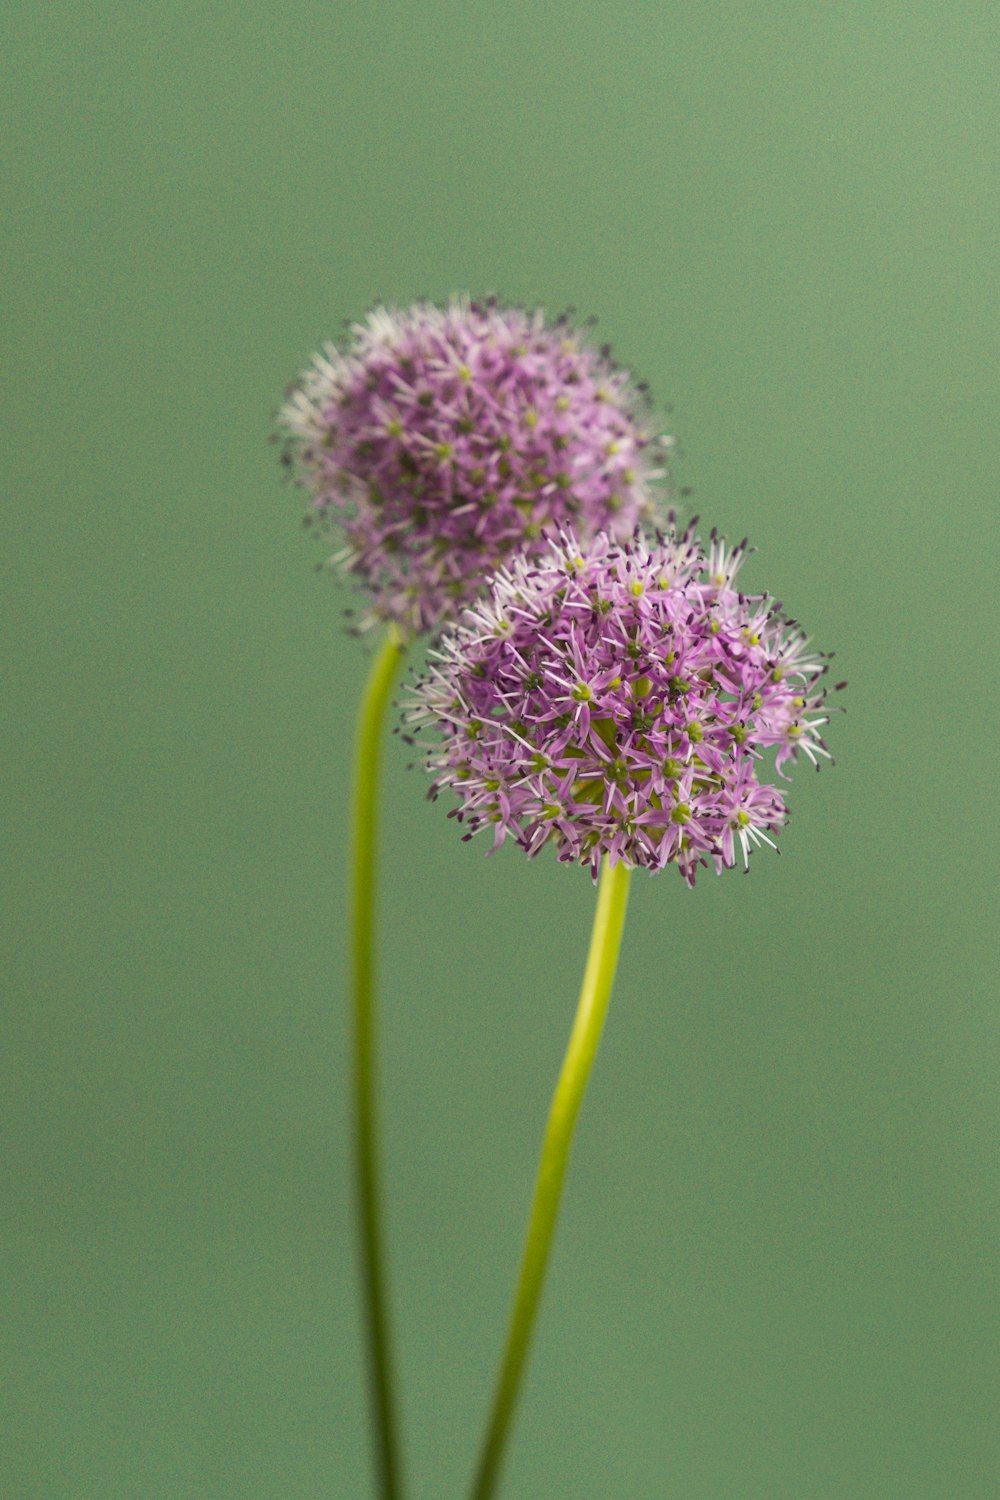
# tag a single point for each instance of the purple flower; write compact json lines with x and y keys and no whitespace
{"x":443,"y":441}
{"x":620,"y":699}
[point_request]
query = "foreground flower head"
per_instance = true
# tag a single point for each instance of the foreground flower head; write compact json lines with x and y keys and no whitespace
{"x":621,"y":699}
{"x":442,"y":441}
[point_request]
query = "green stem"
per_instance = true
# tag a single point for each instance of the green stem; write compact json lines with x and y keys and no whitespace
{"x":595,"y":993}
{"x":364,"y":844}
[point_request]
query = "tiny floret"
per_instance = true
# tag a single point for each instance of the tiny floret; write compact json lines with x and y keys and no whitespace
{"x":618,"y":715}
{"x":443,"y":440}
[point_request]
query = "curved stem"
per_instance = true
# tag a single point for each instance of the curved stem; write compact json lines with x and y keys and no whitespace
{"x":364,"y":852}
{"x":595,"y":993}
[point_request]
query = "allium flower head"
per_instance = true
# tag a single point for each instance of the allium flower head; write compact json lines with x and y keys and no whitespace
{"x":442,"y":441}
{"x":622,"y":699}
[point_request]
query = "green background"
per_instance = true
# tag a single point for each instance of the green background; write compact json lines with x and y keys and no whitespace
{"x":775,"y":1274}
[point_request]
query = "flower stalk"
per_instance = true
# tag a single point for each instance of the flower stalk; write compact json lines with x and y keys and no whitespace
{"x":363,"y":1022}
{"x":595,"y":994}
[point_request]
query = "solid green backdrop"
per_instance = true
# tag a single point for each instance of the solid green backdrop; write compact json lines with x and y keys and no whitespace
{"x":775,"y":1277}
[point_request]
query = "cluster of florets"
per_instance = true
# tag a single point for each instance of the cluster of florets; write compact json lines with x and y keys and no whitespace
{"x":619,"y":700}
{"x":443,"y":441}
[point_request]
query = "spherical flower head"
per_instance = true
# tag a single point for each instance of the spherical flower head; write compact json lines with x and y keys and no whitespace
{"x":623,"y":699}
{"x":444,"y":440}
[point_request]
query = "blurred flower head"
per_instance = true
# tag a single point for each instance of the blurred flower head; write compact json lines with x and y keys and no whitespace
{"x":623,"y":699}
{"x":444,"y":440}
